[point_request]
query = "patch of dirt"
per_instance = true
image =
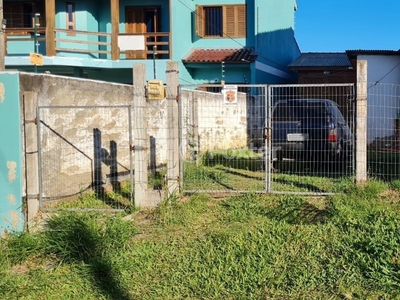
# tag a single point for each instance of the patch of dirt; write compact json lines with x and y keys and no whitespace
{"x":390,"y":196}
{"x":20,"y":269}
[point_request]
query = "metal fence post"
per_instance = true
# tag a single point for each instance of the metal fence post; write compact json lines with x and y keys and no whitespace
{"x":361,"y":122}
{"x":141,"y":146}
{"x":267,"y":137}
{"x":172,"y":129}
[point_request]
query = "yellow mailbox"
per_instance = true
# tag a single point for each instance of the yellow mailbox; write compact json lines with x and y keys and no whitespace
{"x":155,"y":90}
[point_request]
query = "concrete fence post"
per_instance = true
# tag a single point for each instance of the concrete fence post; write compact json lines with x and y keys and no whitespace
{"x":173,"y":180}
{"x":141,"y":141}
{"x":361,"y":122}
{"x":30,"y":102}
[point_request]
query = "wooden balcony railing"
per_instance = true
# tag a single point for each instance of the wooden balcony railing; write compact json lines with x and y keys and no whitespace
{"x":15,"y":35}
{"x":71,"y":38}
{"x":101,"y":43}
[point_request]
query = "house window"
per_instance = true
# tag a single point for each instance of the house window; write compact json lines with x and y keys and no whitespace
{"x":221,"y":21}
{"x":22,"y":14}
{"x":70,"y":12}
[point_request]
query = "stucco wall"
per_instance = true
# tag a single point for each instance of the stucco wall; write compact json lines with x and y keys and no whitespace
{"x":209,"y":124}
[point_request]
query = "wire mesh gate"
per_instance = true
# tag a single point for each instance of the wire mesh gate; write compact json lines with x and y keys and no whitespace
{"x":310,"y":137}
{"x":85,"y":160}
{"x":230,"y":138}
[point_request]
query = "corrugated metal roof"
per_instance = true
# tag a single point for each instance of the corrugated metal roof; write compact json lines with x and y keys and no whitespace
{"x":217,"y":55}
{"x":321,"y":59}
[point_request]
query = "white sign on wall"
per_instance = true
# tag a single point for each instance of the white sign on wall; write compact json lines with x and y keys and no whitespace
{"x":229,"y":92}
{"x":131,"y":42}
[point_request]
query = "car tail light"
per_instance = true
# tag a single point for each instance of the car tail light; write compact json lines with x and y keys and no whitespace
{"x":332,"y":137}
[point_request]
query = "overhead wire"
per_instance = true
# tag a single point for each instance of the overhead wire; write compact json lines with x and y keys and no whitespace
{"x":224,"y":34}
{"x":383,"y":77}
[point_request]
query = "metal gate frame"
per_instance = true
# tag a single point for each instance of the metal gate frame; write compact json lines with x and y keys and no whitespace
{"x":351,"y":109}
{"x":267,"y":92}
{"x":41,"y":123}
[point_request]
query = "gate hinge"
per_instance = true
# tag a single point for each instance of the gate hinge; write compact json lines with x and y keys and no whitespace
{"x":172,"y":98}
{"x":32,"y":196}
{"x":172,"y":71}
{"x":31,"y":121}
{"x":177,"y":179}
{"x":134,"y":148}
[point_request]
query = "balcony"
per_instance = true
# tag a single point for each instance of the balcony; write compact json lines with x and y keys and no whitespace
{"x":96,"y":45}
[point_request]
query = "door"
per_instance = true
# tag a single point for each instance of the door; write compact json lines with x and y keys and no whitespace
{"x":142,"y":20}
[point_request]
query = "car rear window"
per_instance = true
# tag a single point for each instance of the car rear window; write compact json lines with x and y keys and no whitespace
{"x":315,"y":110}
{"x":297,"y":111}
{"x":284,"y":113}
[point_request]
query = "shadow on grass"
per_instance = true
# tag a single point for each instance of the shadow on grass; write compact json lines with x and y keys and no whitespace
{"x":314,"y":169}
{"x":301,"y":185}
{"x":74,"y":241}
{"x":299,"y":212}
{"x":237,"y":173}
{"x":114,"y":200}
{"x":244,"y":163}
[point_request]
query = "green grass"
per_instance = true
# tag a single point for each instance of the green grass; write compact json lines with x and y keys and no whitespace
{"x":250,"y":246}
{"x":221,"y":178}
{"x":116,"y":198}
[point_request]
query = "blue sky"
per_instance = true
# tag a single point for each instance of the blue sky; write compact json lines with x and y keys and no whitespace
{"x":339,"y":25}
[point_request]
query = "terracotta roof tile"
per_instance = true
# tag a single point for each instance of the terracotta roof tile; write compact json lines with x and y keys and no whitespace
{"x":201,"y":55}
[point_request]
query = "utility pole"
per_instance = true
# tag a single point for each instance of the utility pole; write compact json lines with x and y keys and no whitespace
{"x":2,"y":42}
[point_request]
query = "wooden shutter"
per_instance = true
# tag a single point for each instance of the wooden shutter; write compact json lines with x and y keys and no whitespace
{"x":241,"y":20}
{"x":234,"y":20}
{"x":135,"y":23}
{"x":199,"y":21}
{"x":229,"y":21}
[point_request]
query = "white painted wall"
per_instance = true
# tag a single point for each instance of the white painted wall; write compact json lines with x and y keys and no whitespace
{"x":383,"y":94}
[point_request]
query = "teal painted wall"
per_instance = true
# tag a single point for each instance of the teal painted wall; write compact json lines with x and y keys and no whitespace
{"x":274,"y":38}
{"x":86,"y":16}
{"x":11,"y":181}
{"x":270,"y":30}
{"x":184,"y":37}
{"x":212,"y":74}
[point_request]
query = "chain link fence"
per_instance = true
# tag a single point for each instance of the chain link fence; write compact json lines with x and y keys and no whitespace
{"x":85,"y":160}
{"x":383,"y":134}
{"x":297,"y":139}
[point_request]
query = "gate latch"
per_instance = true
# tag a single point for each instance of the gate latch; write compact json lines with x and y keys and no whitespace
{"x":267,"y":133}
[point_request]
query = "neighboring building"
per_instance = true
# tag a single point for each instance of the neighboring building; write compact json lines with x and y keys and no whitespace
{"x":324,"y":67}
{"x":244,"y":41}
{"x":383,"y":77}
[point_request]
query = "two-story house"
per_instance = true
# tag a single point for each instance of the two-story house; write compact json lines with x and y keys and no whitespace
{"x":236,"y":41}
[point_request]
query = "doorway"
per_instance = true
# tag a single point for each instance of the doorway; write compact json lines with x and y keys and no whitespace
{"x":142,"y":20}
